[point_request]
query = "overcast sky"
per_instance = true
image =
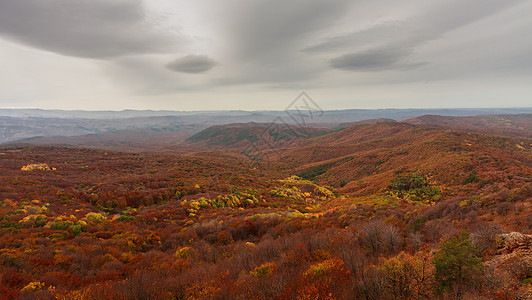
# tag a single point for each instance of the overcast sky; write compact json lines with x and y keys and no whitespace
{"x":254,"y":55}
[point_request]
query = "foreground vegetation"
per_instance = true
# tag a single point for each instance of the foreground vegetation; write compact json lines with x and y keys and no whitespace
{"x":87,"y":224}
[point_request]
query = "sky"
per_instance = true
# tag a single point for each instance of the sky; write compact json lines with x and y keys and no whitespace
{"x":259,"y":55}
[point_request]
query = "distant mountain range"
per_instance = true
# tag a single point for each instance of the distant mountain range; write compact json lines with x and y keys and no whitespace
{"x":128,"y":126}
{"x":519,"y":125}
{"x":359,"y":114}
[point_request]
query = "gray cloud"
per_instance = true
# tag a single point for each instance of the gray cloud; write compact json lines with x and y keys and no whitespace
{"x":267,"y":29}
{"x":85,"y":28}
{"x":192,"y":64}
{"x":378,"y":34}
{"x":372,"y":60}
{"x":384,"y":46}
{"x":265,"y":38}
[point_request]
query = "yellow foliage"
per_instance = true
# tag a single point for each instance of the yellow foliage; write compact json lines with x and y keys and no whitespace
{"x":32,"y":217}
{"x":408,"y":276}
{"x":206,"y":291}
{"x":37,"y":167}
{"x":320,"y":268}
{"x":182,"y":252}
{"x":92,"y":216}
{"x":266,"y":269}
{"x":463,"y":203}
{"x":290,"y":190}
{"x":33,"y":286}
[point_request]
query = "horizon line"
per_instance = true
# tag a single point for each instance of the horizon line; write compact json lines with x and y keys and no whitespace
{"x":259,"y":110}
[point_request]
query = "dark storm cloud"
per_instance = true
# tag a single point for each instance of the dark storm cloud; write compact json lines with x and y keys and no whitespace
{"x":192,"y":64}
{"x":84,"y":28}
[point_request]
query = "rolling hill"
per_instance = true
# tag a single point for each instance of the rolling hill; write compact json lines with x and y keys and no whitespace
{"x":516,"y":125}
{"x":18,"y":124}
{"x":258,"y":135}
{"x":363,"y":159}
{"x":330,"y":215}
{"x":139,"y":139}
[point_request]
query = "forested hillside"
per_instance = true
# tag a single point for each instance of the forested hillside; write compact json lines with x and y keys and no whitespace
{"x":374,"y":211}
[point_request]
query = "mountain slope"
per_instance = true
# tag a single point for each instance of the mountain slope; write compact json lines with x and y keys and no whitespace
{"x":258,"y":135}
{"x":518,"y":125}
{"x":139,"y":139}
{"x":365,"y":159}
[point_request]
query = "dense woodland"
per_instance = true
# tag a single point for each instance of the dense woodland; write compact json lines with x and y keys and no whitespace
{"x":373,"y":211}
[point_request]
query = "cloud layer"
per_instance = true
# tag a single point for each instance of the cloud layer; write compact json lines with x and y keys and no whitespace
{"x":386,"y":53}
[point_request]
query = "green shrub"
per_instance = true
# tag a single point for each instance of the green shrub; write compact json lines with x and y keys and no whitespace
{"x":314,"y":172}
{"x":126,"y":218}
{"x":456,"y":264}
{"x":76,"y":229}
{"x":414,"y":187}
{"x":472,"y":178}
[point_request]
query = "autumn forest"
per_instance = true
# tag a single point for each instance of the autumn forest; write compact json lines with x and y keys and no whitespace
{"x":421,"y":209}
